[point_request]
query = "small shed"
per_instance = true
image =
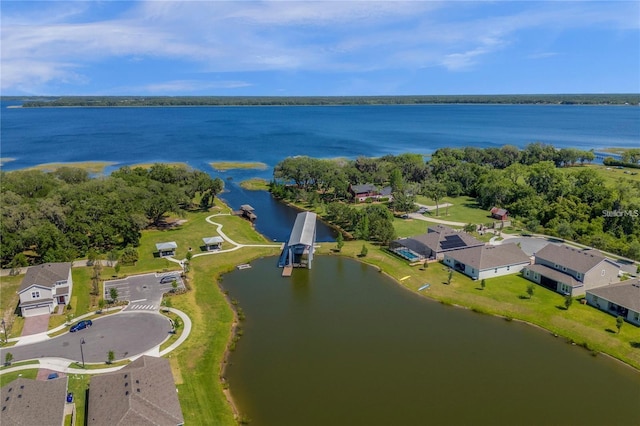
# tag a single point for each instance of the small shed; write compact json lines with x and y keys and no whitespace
{"x":500,"y":214}
{"x":212,"y":243}
{"x":167,"y":249}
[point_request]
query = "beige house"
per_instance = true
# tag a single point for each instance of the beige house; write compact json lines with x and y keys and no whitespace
{"x":482,"y":262}
{"x":618,"y":299}
{"x":571,"y":271}
{"x":44,"y":287}
{"x":142,"y":393}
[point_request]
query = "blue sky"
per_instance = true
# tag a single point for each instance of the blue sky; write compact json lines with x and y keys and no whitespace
{"x":319,"y":48}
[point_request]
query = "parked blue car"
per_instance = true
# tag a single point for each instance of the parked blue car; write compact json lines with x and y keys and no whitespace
{"x":81,"y":325}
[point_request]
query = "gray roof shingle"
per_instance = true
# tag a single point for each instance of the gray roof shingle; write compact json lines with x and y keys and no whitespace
{"x":45,"y":275}
{"x":625,"y":294}
{"x":555,"y":275}
{"x":581,"y":261}
{"x":27,"y":402}
{"x":142,"y":393}
{"x":489,"y":257}
{"x":438,"y":239}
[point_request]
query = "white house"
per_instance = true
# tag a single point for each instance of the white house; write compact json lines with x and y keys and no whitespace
{"x":44,"y":287}
{"x":487,"y":261}
{"x":618,"y":299}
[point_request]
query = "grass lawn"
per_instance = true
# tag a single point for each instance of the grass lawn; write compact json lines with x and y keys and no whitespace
{"x":410,"y":227}
{"x":10,"y":377}
{"x":9,"y":301}
{"x":464,"y":210}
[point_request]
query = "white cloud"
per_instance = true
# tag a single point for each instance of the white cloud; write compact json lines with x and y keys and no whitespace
{"x":62,"y":41}
{"x":188,"y":86}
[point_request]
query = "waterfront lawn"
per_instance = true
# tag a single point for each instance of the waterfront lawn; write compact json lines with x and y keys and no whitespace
{"x":464,"y":209}
{"x":199,"y":359}
{"x":506,"y":296}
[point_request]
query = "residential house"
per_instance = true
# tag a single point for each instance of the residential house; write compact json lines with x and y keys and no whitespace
{"x":572,"y":271}
{"x":142,"y":393}
{"x":499,"y":214}
{"x":438,"y":240}
{"x":166,"y":249}
{"x":481,"y":262}
{"x":212,"y":243}
{"x":34,"y":402}
{"x":44,"y":287}
{"x":369,"y":191}
{"x":618,"y":299}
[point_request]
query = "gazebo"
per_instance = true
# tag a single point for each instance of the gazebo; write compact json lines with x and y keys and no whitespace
{"x":167,"y":249}
{"x":212,"y":243}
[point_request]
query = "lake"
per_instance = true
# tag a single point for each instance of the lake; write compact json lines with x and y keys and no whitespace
{"x":342,"y":344}
{"x":200,"y":135}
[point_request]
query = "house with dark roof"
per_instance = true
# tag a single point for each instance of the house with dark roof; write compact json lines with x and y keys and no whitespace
{"x":481,"y":262}
{"x":571,"y":271}
{"x":361,"y":193}
{"x":44,"y":287}
{"x":34,"y":402}
{"x":500,"y":214}
{"x":438,"y":240}
{"x":299,"y":248}
{"x":621,"y":299}
{"x":142,"y":393}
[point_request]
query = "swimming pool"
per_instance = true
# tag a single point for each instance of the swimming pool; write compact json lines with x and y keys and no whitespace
{"x":407,"y":254}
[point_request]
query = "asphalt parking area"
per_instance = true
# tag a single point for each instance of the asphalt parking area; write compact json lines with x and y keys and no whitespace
{"x":143,"y":292}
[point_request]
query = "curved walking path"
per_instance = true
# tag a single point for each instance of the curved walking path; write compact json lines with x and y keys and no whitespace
{"x":63,"y":364}
{"x":440,"y":221}
{"x":236,"y":246}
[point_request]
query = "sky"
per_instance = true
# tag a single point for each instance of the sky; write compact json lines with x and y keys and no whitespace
{"x":324,"y":48}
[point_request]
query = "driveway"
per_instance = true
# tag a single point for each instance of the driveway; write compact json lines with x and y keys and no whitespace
{"x":126,"y":333}
{"x":143,"y":292}
{"x":35,"y":325}
{"x":529,"y":245}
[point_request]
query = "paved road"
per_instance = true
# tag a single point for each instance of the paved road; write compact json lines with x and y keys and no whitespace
{"x":126,"y":334}
{"x":144,"y":292}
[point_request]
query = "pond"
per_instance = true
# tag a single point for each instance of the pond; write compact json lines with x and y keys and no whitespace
{"x":342,"y":344}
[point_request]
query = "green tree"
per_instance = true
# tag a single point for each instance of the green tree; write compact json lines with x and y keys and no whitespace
{"x":619,"y":322}
{"x":483,"y":283}
{"x":174,"y":285}
{"x":449,"y":277}
{"x":117,"y":268}
{"x":339,"y":241}
{"x":113,"y":294}
{"x":531,"y":288}
{"x":101,"y":304}
{"x":8,"y":358}
{"x":364,"y":251}
{"x":435,"y":190}
{"x":568,"y":300}
{"x":111,"y":356}
{"x":129,"y":256}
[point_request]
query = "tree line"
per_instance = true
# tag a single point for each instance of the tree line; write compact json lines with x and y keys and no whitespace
{"x":125,"y":101}
{"x":542,"y":187}
{"x":65,"y":214}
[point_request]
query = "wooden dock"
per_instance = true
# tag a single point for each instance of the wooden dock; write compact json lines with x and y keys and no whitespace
{"x":287,"y":271}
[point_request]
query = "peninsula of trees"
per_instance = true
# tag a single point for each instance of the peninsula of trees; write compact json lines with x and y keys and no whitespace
{"x":544,"y":189}
{"x":131,"y":101}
